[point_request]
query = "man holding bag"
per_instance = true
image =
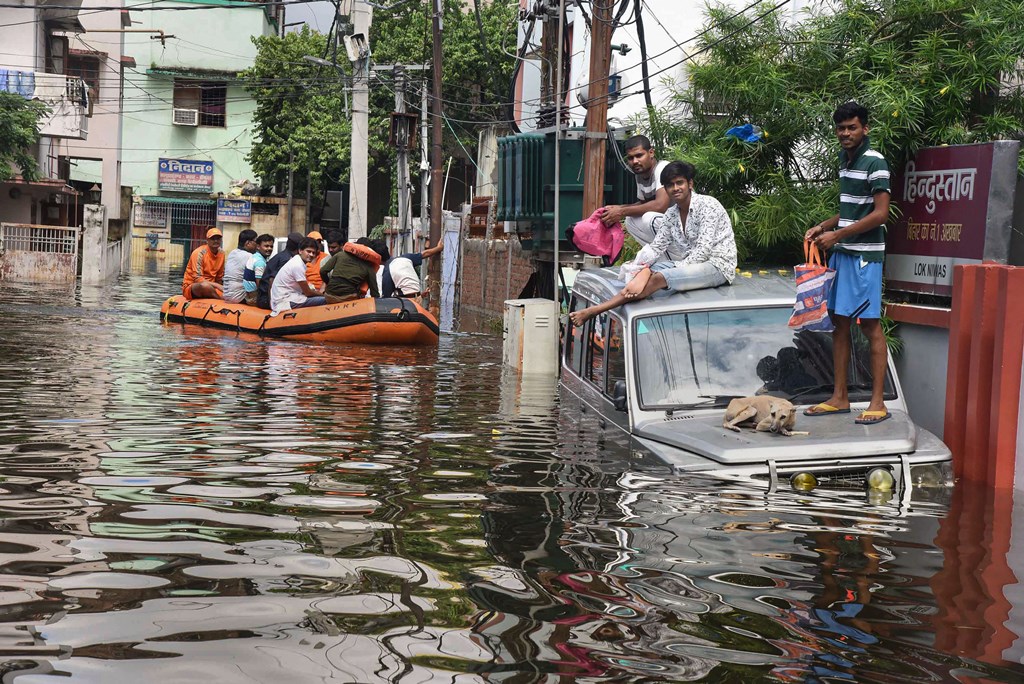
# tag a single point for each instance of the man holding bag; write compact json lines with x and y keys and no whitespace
{"x":856,"y":238}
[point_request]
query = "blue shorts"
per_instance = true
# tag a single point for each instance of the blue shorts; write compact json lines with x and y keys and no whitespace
{"x":857,"y":290}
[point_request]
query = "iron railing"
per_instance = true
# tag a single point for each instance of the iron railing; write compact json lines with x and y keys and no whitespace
{"x":23,"y":237}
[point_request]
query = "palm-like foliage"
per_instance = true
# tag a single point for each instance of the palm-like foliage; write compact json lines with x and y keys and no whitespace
{"x":932,"y":72}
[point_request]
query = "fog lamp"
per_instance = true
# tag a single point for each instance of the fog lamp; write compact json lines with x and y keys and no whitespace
{"x":803,"y":482}
{"x":881,"y":479}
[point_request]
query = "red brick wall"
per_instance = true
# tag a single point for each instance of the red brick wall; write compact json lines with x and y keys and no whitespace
{"x":485,"y":281}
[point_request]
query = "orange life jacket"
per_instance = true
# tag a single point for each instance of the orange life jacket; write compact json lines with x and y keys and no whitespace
{"x":366,"y":254}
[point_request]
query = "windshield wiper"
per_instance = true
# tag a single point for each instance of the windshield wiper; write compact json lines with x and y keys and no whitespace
{"x":824,"y":388}
{"x":716,"y":401}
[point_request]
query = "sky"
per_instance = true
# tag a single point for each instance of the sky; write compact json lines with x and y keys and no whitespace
{"x":317,"y":15}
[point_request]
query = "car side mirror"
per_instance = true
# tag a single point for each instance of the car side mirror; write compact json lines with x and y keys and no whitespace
{"x":619,"y":395}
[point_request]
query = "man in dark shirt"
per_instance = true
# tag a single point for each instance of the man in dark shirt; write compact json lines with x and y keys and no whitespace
{"x":388,"y":281}
{"x":275,"y":264}
{"x":348,"y":277}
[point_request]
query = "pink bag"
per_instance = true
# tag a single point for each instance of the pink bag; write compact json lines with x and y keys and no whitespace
{"x":595,"y":238}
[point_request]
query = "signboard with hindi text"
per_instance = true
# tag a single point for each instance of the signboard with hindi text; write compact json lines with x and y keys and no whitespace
{"x":952,"y":210}
{"x":234,"y":211}
{"x":185,"y":175}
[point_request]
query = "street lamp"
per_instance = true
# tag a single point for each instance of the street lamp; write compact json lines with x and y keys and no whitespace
{"x":320,"y":62}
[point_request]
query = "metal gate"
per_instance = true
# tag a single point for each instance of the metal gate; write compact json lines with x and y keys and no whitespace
{"x":165,"y":230}
{"x":38,"y":254}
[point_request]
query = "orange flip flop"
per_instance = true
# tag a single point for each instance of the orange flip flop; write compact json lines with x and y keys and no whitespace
{"x":824,"y":409}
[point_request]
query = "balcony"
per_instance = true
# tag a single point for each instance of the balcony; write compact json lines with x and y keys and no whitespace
{"x":66,"y":98}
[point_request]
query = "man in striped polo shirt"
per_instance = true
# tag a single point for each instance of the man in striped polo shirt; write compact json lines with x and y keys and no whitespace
{"x":856,"y":238}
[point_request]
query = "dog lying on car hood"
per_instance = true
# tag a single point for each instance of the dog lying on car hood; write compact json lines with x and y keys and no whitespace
{"x":764,"y":413}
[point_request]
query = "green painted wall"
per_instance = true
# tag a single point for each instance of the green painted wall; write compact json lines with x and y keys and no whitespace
{"x":204,"y":40}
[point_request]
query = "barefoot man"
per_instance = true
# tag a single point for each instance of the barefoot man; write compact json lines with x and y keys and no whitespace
{"x":856,"y":238}
{"x":704,"y":238}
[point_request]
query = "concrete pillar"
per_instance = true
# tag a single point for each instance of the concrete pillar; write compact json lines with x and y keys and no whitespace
{"x":94,"y":244}
{"x":983,"y":400}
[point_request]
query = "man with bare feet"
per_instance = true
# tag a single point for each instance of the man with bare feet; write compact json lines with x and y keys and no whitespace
{"x":704,"y":238}
{"x":856,"y":238}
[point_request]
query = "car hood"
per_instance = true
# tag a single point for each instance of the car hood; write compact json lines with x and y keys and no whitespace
{"x":830,"y":437}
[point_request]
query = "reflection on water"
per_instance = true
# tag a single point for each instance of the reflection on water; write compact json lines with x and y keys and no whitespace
{"x":185,"y":505}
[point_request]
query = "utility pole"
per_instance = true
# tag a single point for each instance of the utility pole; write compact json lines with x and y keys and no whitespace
{"x":291,"y":188}
{"x":550,"y":75}
{"x":436,"y":162}
{"x":402,"y":135}
{"x":362,"y":16}
{"x":424,"y":165}
{"x":597,"y":107}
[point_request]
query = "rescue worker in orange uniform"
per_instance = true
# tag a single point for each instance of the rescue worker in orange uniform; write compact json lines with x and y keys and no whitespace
{"x":204,"y":273}
{"x":313,"y":267}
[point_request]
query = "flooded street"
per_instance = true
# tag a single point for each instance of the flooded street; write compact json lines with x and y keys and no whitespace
{"x":186,"y":505}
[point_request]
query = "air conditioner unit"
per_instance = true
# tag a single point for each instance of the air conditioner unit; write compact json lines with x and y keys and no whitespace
{"x":185,"y":117}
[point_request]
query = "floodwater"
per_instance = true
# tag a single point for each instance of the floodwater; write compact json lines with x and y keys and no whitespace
{"x":181,"y":505}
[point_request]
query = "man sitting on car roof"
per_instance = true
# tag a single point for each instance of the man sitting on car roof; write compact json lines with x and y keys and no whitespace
{"x":705,"y":239}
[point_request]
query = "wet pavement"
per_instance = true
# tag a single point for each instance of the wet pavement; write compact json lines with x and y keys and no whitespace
{"x":180,"y":505}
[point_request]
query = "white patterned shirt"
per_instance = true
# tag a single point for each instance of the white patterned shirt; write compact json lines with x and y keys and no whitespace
{"x":708,"y":237}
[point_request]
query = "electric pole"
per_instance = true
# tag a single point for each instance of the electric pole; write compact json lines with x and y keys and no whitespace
{"x":550,"y":81}
{"x":402,"y":135}
{"x":436,"y":162}
{"x":362,"y":16}
{"x":597,"y":106}
{"x":424,"y":165}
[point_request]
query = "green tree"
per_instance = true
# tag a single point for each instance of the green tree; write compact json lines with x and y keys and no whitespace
{"x":301,"y":107}
{"x":300,"y":119}
{"x":931,"y":72}
{"x":19,"y":135}
{"x":477,"y":65}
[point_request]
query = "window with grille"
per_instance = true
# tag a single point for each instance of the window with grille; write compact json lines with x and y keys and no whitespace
{"x":209,"y":98}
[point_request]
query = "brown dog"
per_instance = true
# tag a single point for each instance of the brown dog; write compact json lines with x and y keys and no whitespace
{"x":766,"y":414}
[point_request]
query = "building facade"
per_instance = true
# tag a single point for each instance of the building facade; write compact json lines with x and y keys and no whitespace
{"x":187,"y":120}
{"x":34,"y":64}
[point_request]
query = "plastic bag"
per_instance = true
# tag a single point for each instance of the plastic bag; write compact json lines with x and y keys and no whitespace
{"x":813,"y":283}
{"x":593,"y":237}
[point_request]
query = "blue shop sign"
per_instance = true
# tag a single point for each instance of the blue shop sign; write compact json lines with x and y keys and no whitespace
{"x":185,"y":175}
{"x":234,"y":211}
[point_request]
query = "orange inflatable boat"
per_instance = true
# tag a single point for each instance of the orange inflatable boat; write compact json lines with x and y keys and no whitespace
{"x":390,"y":321}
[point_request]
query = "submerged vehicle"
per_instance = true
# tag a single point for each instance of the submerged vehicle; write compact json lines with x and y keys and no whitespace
{"x":389,"y":321}
{"x":660,"y":372}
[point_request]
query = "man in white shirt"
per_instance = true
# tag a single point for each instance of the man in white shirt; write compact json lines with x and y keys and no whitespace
{"x":651,"y":198}
{"x":290,"y":289}
{"x":234,"y":266}
{"x":699,"y":227}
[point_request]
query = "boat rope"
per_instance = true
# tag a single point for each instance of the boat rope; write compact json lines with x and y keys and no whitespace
{"x":259,"y":331}
{"x":238,"y":316}
{"x":403,"y":315}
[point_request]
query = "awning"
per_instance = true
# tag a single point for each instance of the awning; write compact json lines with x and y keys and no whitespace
{"x":48,"y":184}
{"x":196,"y":74}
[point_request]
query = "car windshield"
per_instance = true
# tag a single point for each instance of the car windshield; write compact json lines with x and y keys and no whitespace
{"x":685,"y":360}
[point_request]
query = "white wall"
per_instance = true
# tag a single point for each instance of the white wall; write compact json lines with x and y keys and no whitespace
{"x":20,"y":46}
{"x":104,"y":140}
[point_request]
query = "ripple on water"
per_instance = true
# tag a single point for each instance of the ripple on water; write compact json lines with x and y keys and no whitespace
{"x":362,"y":465}
{"x":332,"y":503}
{"x":107,"y":580}
{"x":106,"y":481}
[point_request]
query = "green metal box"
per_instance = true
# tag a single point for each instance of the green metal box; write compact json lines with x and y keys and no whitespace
{"x":526,"y":183}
